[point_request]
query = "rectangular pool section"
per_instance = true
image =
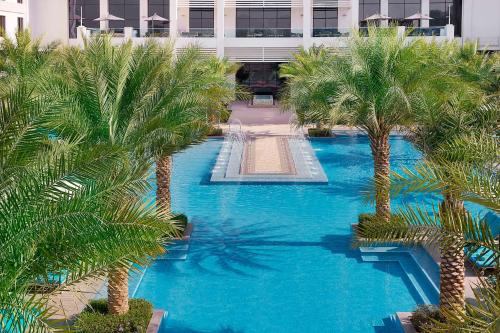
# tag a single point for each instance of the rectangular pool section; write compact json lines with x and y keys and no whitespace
{"x":278,"y":257}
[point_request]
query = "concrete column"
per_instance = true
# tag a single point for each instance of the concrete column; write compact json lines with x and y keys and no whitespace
{"x":449,"y":30}
{"x":128,"y":33}
{"x":426,"y":11}
{"x":81,"y":34}
{"x":103,"y":10}
{"x":143,"y":14}
{"x":384,"y":10}
{"x":307,"y":23}
{"x":401,"y":31}
{"x":355,"y":14}
{"x":173,"y":18}
{"x":219,"y":29}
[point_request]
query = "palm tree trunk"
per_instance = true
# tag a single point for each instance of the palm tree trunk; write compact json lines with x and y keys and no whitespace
{"x":452,"y":284}
{"x":118,"y":290}
{"x":381,"y":152}
{"x":163,"y":174}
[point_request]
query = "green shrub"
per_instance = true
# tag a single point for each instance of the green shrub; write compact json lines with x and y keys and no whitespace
{"x":215,"y":131}
{"x":181,"y":220}
{"x":423,"y":316}
{"x":95,"y":318}
{"x":319,"y":132}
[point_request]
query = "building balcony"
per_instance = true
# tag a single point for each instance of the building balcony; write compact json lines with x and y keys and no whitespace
{"x":198,"y":33}
{"x":264,"y":33}
{"x":330,"y":32}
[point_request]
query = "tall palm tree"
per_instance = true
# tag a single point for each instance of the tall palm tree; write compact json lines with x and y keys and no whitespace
{"x":145,"y":99}
{"x":375,"y":85}
{"x":450,"y":227}
{"x":67,"y":209}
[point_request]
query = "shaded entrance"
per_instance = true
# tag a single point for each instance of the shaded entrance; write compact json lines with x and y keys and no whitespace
{"x":261,"y":78}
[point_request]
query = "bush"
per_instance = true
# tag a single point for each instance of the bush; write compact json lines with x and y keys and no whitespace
{"x":181,"y":220}
{"x":424,"y":316}
{"x":95,"y":318}
{"x":319,"y":132}
{"x":215,"y":131}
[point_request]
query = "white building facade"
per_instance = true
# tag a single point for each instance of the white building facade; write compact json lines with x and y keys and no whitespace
{"x":259,"y":33}
{"x":14,"y":15}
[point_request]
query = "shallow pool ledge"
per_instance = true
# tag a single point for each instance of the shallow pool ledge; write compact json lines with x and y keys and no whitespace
{"x":405,"y":322}
{"x":155,"y":323}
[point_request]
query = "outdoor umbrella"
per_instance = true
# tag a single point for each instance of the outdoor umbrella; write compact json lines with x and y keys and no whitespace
{"x":418,"y":16}
{"x":108,"y":17}
{"x":377,"y":17}
{"x":155,"y":18}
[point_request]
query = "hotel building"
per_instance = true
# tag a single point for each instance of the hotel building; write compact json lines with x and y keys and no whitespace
{"x":257,"y":33}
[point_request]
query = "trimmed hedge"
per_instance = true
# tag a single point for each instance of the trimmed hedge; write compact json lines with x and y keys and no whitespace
{"x":181,"y":220}
{"x":95,"y":318}
{"x":214,"y":131}
{"x":319,"y":132}
{"x":424,"y":315}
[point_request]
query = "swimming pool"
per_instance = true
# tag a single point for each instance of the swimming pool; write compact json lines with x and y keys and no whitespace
{"x":278,"y":258}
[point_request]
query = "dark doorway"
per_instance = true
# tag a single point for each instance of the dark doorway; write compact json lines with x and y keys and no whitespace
{"x":261,"y":78}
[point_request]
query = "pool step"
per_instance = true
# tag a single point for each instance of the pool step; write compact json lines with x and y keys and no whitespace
{"x":419,"y":255}
{"x":409,"y":269}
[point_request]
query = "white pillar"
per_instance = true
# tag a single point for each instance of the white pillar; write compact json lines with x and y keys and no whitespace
{"x":401,"y":31}
{"x":449,"y":30}
{"x":103,"y":10}
{"x":219,"y":29}
{"x":143,"y":14}
{"x":355,"y":14}
{"x":173,"y":18}
{"x":307,"y":23}
{"x":128,"y":33}
{"x":384,"y":10}
{"x":426,"y":11}
{"x":81,"y":34}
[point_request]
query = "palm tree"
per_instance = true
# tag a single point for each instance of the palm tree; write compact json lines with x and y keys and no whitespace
{"x":144,"y":99}
{"x":375,"y":85}
{"x":67,"y":209}
{"x":451,"y":227}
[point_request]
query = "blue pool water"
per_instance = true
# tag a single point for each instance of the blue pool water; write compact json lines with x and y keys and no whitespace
{"x":278,"y":258}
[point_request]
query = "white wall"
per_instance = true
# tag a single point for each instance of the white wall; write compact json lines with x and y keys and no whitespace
{"x":481,"y":22}
{"x":49,"y":20}
{"x":12,"y":10}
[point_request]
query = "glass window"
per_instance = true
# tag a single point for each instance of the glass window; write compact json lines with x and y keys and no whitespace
{"x":367,"y":8}
{"x":126,"y":9}
{"x":89,"y":9}
{"x":325,"y":22}
{"x":443,"y":11}
{"x":259,"y":18}
{"x":162,"y":8}
{"x":399,"y":9}
{"x":201,"y":18}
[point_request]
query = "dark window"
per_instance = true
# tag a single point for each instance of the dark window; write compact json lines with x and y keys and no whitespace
{"x":19,"y":1}
{"x":443,"y":11}
{"x":254,"y":19}
{"x":126,"y":9}
{"x":367,"y":8}
{"x":20,"y":24}
{"x":325,"y":22}
{"x":399,"y":9}
{"x":2,"y":25}
{"x":201,"y":18}
{"x":90,"y":11}
{"x":162,"y":8}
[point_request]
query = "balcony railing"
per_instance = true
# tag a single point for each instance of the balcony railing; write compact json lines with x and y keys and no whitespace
{"x":155,"y":32}
{"x":330,"y":32}
{"x":263,"y":33}
{"x":430,"y":31}
{"x":193,"y":32}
